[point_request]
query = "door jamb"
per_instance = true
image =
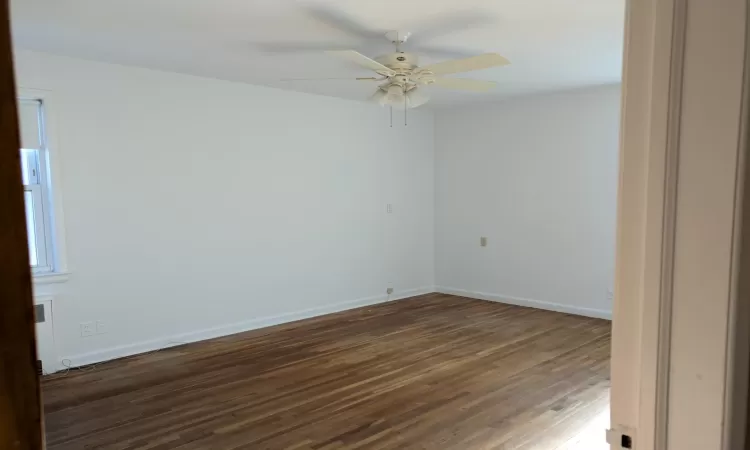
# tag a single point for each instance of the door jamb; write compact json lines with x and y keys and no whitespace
{"x":20,"y":408}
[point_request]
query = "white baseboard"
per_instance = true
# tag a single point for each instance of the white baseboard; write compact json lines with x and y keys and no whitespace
{"x":225,"y":330}
{"x":539,"y":304}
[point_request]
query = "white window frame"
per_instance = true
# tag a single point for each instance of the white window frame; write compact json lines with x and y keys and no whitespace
{"x":52,"y":265}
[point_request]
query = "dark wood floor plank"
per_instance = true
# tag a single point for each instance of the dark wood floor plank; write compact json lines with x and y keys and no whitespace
{"x":435,"y":371}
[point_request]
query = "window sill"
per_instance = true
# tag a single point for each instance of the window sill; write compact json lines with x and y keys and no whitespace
{"x":50,"y":278}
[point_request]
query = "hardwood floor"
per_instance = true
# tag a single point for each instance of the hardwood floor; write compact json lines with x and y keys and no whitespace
{"x":432,"y":372}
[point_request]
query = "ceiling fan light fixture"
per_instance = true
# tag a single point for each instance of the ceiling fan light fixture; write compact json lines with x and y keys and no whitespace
{"x":395,"y":94}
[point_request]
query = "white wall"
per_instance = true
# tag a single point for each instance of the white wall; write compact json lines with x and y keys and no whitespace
{"x":538,"y":177}
{"x":196,"y":207}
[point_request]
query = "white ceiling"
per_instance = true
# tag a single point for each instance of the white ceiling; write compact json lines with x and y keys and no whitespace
{"x":552,"y":44}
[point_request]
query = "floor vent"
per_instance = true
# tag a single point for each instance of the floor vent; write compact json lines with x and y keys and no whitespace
{"x":45,"y":340}
{"x":39,"y":313}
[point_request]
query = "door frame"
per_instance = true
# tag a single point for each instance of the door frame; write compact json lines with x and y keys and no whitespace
{"x":659,"y":387}
{"x":20,"y":408}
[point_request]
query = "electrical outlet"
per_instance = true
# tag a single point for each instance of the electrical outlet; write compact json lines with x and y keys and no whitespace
{"x":389,"y":208}
{"x":101,"y":327}
{"x":610,"y":294}
{"x":87,"y":329}
{"x":483,"y":241}
{"x":389,"y":291}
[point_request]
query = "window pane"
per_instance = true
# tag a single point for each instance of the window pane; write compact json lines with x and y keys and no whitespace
{"x":31,"y":227}
{"x":29,"y":166}
{"x":30,"y":124}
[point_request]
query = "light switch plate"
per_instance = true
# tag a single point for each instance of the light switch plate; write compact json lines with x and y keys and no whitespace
{"x":88,"y":329}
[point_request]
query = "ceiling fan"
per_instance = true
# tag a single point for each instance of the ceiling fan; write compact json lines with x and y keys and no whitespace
{"x":402,"y":79}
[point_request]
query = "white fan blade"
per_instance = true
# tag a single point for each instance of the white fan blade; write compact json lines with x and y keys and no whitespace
{"x":465,"y":84}
{"x":417,"y":97}
{"x":378,"y":97}
{"x":467,"y":64}
{"x":362,"y":60}
{"x":334,"y":79}
{"x":340,"y":21}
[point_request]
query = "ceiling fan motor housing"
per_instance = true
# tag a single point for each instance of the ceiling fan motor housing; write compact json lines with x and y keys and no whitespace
{"x":399,"y":61}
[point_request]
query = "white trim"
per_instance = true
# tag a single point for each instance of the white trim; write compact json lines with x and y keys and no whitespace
{"x":738,"y":335}
{"x":50,"y":277}
{"x":669,"y":338}
{"x":225,"y":330}
{"x":647,"y":124}
{"x":53,"y":177}
{"x":539,"y":304}
{"x":665,"y":106}
{"x":42,"y":299}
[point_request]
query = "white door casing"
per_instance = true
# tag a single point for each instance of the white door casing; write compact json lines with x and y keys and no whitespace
{"x":682,"y":149}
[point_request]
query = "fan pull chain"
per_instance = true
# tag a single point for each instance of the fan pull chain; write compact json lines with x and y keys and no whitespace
{"x":391,"y":108}
{"x":405,"y":108}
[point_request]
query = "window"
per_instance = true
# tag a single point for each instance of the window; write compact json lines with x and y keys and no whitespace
{"x":36,"y":193}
